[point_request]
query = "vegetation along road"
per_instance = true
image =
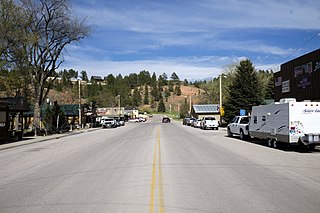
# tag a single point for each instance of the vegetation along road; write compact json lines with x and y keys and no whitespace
{"x":156,"y":167}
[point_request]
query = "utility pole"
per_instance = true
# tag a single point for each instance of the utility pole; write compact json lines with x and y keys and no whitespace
{"x":80,"y":117}
{"x":220,"y":92}
{"x":190,"y":105}
{"x":119,"y":107}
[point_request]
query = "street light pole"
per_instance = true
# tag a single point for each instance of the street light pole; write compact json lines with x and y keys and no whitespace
{"x":119,"y":113}
{"x":80,"y":117}
{"x":220,"y":88}
{"x":190,"y":105}
{"x":220,"y":93}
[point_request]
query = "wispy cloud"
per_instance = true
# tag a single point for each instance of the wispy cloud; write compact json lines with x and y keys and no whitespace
{"x":193,"y":38}
{"x":202,"y":15}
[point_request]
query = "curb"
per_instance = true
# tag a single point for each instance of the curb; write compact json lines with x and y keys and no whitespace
{"x":42,"y":139}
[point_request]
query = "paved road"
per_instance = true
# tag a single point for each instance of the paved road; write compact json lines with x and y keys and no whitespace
{"x":155,"y":167}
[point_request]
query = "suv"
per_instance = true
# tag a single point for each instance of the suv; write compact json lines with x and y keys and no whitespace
{"x":186,"y":120}
{"x":109,"y":123}
{"x":209,"y":123}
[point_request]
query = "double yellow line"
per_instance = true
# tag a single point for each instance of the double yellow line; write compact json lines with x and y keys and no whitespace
{"x":156,"y":167}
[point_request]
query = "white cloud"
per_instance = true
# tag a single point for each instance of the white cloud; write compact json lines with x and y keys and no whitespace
{"x":186,"y":68}
{"x":138,"y":30}
{"x":204,"y":16}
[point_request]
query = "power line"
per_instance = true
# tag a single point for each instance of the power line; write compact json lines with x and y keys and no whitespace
{"x":296,"y":50}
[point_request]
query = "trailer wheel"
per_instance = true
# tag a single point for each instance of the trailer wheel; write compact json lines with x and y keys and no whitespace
{"x":276,"y":144}
{"x":270,"y":143}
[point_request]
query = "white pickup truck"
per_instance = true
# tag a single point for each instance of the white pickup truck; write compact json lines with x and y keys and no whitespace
{"x":239,"y":126}
{"x":209,"y":123}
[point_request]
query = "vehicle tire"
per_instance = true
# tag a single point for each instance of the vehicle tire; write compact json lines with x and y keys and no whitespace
{"x":279,"y":145}
{"x":242,"y":136}
{"x":204,"y":128}
{"x":229,"y":133}
{"x":217,"y":128}
{"x":276,"y":144}
{"x":311,"y":147}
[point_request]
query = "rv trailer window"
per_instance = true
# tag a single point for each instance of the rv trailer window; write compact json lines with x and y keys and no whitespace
{"x":263,"y":118}
{"x":255,"y":119}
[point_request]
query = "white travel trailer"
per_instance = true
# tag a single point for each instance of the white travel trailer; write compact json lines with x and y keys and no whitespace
{"x":288,"y":121}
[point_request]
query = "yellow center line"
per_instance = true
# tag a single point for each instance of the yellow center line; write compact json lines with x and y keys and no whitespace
{"x":156,"y":166}
{"x":153,"y":180}
{"x":160,"y":188}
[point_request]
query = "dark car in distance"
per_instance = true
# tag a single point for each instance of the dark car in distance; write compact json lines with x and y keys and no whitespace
{"x":166,"y":120}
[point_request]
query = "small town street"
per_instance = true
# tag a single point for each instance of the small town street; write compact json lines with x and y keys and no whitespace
{"x":157,"y":167}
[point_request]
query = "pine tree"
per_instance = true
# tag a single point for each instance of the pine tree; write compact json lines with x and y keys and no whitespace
{"x":161,"y":106}
{"x":146,"y":95}
{"x":54,"y":117}
{"x":84,"y":75}
{"x":185,"y":82}
{"x":166,"y":94}
{"x":155,"y":92}
{"x":174,"y":77}
{"x":170,"y":86}
{"x":177,"y":90}
{"x":244,"y":92}
{"x":165,"y":78}
{"x":184,"y":109}
{"x":269,"y":92}
{"x":136,"y":97}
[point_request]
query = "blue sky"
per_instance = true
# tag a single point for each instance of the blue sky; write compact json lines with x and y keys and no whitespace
{"x":196,"y":39}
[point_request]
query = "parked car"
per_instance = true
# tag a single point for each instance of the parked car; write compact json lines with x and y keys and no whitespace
{"x":197,"y":123}
{"x":193,"y":121}
{"x":118,"y":123}
{"x":186,"y":120}
{"x":108,"y":123}
{"x":190,"y":121}
{"x":166,"y":120}
{"x":209,"y":123}
{"x":122,"y":123}
{"x":142,"y":119}
{"x":133,"y":120}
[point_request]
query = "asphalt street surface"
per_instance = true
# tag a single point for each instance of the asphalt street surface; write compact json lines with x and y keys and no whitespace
{"x":156,"y":167}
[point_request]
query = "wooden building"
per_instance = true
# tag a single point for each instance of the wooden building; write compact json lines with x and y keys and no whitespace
{"x":11,"y":118}
{"x":200,"y":111}
{"x":299,"y":78}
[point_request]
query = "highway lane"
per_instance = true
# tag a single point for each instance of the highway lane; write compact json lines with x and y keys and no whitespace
{"x":155,"y":167}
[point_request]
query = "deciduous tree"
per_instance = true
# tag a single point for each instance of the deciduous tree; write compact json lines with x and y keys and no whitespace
{"x":49,"y":28}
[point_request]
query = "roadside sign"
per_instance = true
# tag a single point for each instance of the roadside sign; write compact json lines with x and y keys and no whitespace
{"x":221,"y":111}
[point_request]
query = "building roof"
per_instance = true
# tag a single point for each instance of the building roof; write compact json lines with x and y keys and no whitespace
{"x":67,"y":109}
{"x":70,"y":109}
{"x":206,"y":108}
{"x":96,"y":78}
{"x":14,"y":104}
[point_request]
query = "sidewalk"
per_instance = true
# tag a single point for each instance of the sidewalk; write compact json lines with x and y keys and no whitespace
{"x":37,"y":139}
